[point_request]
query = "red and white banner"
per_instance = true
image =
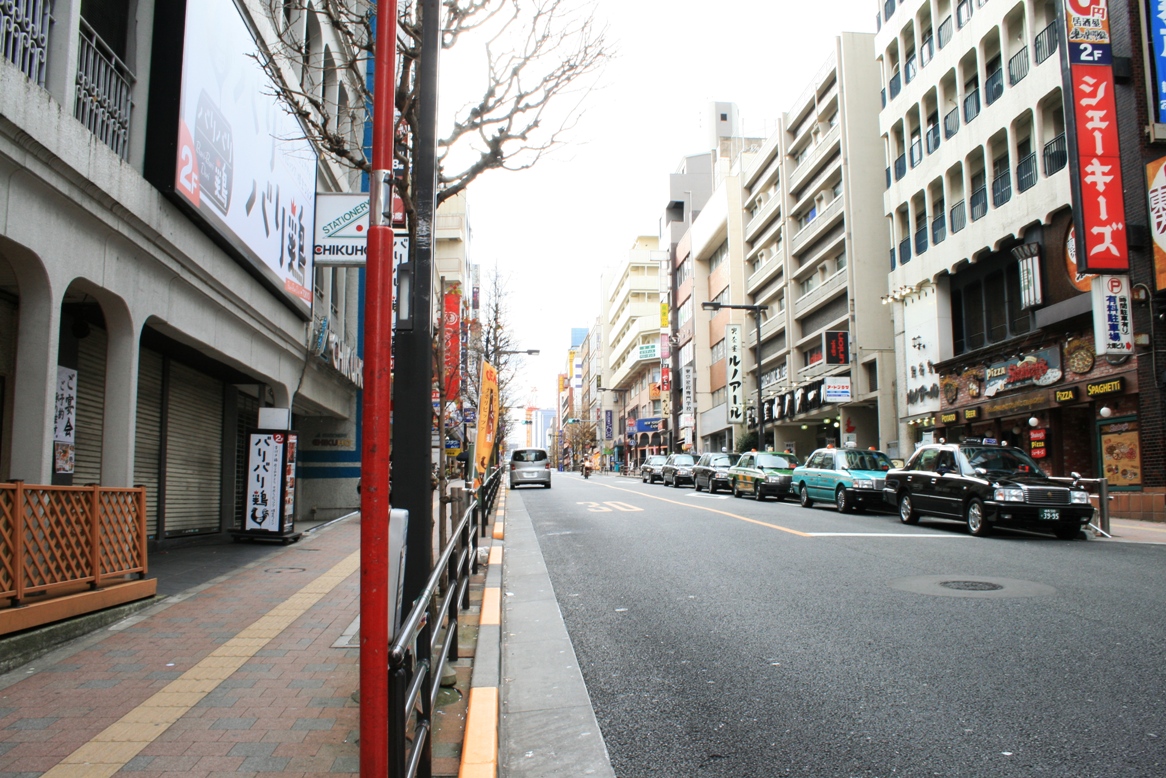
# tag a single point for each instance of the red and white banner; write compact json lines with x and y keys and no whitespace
{"x":451,"y":333}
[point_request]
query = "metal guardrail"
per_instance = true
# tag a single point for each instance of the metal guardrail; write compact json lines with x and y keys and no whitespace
{"x":424,"y":644}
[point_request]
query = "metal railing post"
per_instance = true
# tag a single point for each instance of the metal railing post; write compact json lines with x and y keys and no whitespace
{"x":1103,"y":504}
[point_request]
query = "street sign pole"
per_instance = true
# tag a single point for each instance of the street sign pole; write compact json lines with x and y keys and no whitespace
{"x":377,"y":410}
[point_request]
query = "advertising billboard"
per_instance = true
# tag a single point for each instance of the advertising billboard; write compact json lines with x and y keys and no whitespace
{"x":242,"y":162}
{"x":734,"y":374}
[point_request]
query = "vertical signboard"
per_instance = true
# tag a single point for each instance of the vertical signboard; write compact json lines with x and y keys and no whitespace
{"x":608,"y":425}
{"x":1113,"y":329}
{"x":65,"y":421}
{"x":1094,"y":156}
{"x":1156,"y":196}
{"x":1157,"y":20}
{"x":836,"y":347}
{"x":689,"y":389}
{"x":734,"y":374}
{"x":487,"y":419}
{"x":271,"y":479}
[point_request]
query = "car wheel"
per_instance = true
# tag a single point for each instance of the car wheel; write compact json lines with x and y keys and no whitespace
{"x":736,"y":491}
{"x":974,"y":515}
{"x":907,"y":513}
{"x":712,"y":487}
{"x":695,"y":485}
{"x":643,"y":479}
{"x":841,"y":501}
{"x":757,"y":492}
{"x":804,"y":496}
{"x":1068,"y":533}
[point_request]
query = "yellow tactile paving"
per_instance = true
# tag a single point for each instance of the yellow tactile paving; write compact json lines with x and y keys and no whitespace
{"x":480,"y":748}
{"x":496,"y":555}
{"x":110,"y":750}
{"x":491,"y":607}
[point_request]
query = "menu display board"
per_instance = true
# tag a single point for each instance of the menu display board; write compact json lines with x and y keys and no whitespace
{"x":1121,"y":456}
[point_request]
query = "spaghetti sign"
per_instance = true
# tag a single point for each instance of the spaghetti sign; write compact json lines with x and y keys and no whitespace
{"x":1098,"y":203}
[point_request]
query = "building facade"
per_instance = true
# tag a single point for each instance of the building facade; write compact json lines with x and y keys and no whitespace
{"x":155,"y":296}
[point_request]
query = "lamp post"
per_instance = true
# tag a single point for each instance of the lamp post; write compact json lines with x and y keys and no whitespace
{"x":756,"y":310}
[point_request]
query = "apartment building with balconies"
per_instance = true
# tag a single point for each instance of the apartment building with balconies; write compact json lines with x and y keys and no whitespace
{"x":979,"y":209}
{"x":815,"y":250}
{"x":156,"y":247}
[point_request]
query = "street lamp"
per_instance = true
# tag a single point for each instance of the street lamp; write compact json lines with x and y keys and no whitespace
{"x":533,"y":352}
{"x":756,"y":310}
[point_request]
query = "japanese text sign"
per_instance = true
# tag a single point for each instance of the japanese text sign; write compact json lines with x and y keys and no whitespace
{"x":1156,"y":195}
{"x":451,"y":331}
{"x":734,"y":374}
{"x":1113,"y":331}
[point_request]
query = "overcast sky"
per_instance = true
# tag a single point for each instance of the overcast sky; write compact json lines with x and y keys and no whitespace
{"x":553,"y":229}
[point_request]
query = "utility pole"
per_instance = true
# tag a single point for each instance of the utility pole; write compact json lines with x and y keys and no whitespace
{"x":377,"y":410}
{"x":413,"y":467}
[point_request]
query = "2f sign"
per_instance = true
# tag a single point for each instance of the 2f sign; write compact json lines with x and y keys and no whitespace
{"x":1088,"y":54}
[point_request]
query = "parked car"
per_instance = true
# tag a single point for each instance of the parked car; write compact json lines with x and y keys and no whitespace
{"x":849,"y":477}
{"x":712,"y":471}
{"x":530,"y":466}
{"x":677,"y":469}
{"x":650,"y":470}
{"x":762,"y":473}
{"x":985,"y":485}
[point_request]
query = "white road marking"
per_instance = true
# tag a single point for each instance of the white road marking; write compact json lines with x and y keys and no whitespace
{"x":879,"y":535}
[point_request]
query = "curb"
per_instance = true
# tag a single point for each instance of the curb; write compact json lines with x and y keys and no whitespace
{"x":483,"y":711}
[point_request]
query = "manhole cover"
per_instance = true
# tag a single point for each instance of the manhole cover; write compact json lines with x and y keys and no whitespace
{"x":986,"y":588}
{"x":971,"y":586}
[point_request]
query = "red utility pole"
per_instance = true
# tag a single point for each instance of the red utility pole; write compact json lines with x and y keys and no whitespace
{"x":376,"y":429}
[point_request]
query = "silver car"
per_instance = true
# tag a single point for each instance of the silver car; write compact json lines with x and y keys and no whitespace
{"x":530,"y":466}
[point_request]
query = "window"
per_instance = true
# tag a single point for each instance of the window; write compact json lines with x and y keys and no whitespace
{"x":717,"y":352}
{"x":720,"y":396}
{"x":840,"y":262}
{"x":684,"y":313}
{"x":781,"y":302}
{"x":812,"y":356}
{"x":808,"y":285}
{"x":872,"y":376}
{"x":985,"y":306}
{"x":719,"y":256}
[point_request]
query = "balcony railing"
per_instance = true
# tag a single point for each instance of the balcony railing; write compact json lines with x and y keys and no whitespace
{"x":959,"y":217}
{"x":979,"y":203}
{"x":994,"y":86}
{"x":971,"y":105}
{"x":1001,"y":188}
{"x":963,"y":13}
{"x":1026,"y":173}
{"x":896,"y":85}
{"x":1046,"y":43}
{"x":1018,"y":67}
{"x":910,"y":69}
{"x":921,"y":240}
{"x":932,"y":138}
{"x":104,"y":85}
{"x":916,"y":152}
{"x":900,"y":166}
{"x":1056,"y":155}
{"x":927,"y":50}
{"x":945,"y":31}
{"x":24,"y":36}
{"x":951,"y":123}
{"x":904,"y":251}
{"x":938,"y":228}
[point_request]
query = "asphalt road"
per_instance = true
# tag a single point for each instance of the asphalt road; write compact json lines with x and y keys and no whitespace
{"x":726,"y":637}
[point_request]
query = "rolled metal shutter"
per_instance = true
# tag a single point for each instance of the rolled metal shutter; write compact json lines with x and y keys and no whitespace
{"x":148,"y":434}
{"x":194,"y":452}
{"x":90,"y":407}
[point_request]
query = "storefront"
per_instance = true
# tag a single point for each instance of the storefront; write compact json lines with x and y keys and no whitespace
{"x":1071,"y":410}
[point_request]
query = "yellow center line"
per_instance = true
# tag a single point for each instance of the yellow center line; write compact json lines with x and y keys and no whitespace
{"x":712,"y":510}
{"x":110,"y":750}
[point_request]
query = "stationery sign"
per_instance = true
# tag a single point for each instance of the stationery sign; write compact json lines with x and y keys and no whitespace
{"x":1094,"y":159}
{"x":734,"y":374}
{"x":271,"y":482}
{"x":1113,"y":329}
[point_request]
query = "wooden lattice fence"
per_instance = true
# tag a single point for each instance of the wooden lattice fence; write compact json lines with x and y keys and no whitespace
{"x":53,"y":538}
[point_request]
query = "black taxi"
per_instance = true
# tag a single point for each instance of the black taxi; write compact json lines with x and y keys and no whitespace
{"x":984,"y":485}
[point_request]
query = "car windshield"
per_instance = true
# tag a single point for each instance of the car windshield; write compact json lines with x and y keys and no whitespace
{"x":779,"y":461}
{"x":867,"y":460}
{"x":655,"y":460}
{"x":721,"y":460}
{"x":682,"y":459}
{"x":529,"y":456}
{"x":1000,"y":460}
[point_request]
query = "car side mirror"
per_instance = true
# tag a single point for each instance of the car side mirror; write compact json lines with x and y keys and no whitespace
{"x":981,"y":472}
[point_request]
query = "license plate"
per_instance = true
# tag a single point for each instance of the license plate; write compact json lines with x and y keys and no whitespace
{"x":532,"y":475}
{"x":1050,"y":514}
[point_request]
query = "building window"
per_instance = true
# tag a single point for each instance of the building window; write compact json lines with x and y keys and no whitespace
{"x":872,"y":376}
{"x":721,"y":396}
{"x":717,"y":352}
{"x":808,"y":285}
{"x":719,"y":256}
{"x":985,"y":307}
{"x":812,"y":356}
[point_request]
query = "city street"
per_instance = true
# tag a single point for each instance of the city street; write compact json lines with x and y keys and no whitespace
{"x":727,"y":637}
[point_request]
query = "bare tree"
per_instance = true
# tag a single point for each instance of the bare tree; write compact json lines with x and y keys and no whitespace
{"x":580,"y":435}
{"x":542,"y":58}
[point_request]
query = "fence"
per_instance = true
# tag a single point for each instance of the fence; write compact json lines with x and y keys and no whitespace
{"x":55,"y":537}
{"x":422,"y":647}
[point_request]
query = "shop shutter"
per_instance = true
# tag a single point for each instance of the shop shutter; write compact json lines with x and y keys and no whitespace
{"x":148,"y":434}
{"x":194,"y":452}
{"x":248,"y":419}
{"x":90,"y":407}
